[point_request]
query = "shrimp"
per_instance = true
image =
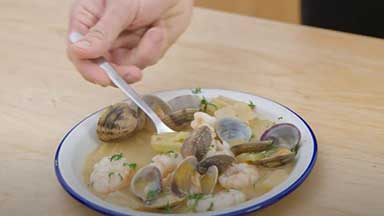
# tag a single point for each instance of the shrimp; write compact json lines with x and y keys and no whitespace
{"x":111,"y":173}
{"x":239,"y":176}
{"x":167,"y":162}
{"x":203,"y":119}
{"x":219,"y":201}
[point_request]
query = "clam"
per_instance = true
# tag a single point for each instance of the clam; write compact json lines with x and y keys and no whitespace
{"x":233,"y":131}
{"x":197,"y":144}
{"x":160,"y":107}
{"x":182,"y":109}
{"x":185,"y":178}
{"x":209,"y":180}
{"x":251,"y":147}
{"x":284,"y":135}
{"x":185,"y":102}
{"x":220,"y":160}
{"x":146,"y":183}
{"x":273,"y":157}
{"x":118,"y":121}
{"x":165,"y":199}
{"x":179,"y":119}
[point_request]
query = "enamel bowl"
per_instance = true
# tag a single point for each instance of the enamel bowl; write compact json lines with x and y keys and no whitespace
{"x":82,"y":140}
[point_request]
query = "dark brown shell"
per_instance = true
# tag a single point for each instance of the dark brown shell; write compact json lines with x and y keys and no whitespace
{"x":160,"y":107}
{"x":118,"y":121}
{"x":197,"y":144}
{"x":251,"y":147}
{"x":180,"y":119}
{"x":221,"y":161}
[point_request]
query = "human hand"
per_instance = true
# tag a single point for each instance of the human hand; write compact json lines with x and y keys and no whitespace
{"x":131,"y":34}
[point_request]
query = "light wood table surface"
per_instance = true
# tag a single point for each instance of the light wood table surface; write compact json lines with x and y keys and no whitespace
{"x":334,"y":80}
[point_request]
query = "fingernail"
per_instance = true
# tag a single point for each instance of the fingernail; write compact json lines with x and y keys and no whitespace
{"x":83,"y":44}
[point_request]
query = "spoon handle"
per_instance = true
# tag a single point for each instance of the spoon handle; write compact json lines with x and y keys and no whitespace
{"x":128,"y":90}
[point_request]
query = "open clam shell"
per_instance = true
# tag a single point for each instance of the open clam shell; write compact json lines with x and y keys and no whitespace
{"x":186,"y":179}
{"x":221,"y":161}
{"x":197,"y":144}
{"x":118,"y":121}
{"x":273,"y":157}
{"x":160,"y":107}
{"x":283,"y":135}
{"x":146,"y":183}
{"x":251,"y":147}
{"x":233,"y":131}
{"x":209,"y":180}
{"x":165,"y":199}
{"x":180,"y":119}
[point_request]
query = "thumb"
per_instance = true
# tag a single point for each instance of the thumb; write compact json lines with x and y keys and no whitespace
{"x":99,"y":39}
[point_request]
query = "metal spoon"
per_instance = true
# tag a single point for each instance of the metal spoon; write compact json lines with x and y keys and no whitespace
{"x":124,"y":87}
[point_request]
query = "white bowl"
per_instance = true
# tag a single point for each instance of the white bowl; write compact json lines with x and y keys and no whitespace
{"x":82,"y":139}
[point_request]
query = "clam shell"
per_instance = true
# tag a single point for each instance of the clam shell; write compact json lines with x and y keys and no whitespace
{"x":270,"y":158}
{"x":118,"y":121}
{"x":180,"y":119}
{"x":164,"y":200}
{"x":284,"y":135}
{"x":185,"y":177}
{"x":221,"y":161}
{"x":233,"y":131}
{"x":185,"y":102}
{"x":197,"y":144}
{"x":251,"y":147}
{"x":209,"y":180}
{"x":160,"y":107}
{"x":146,"y":183}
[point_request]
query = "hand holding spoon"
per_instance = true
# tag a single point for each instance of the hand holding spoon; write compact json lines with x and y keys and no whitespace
{"x":128,"y":90}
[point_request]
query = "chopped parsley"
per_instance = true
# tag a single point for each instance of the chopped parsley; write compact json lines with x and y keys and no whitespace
{"x":151,"y":194}
{"x":196,"y":91}
{"x":110,"y":174}
{"x":252,"y":136}
{"x":196,"y":197}
{"x":121,"y":177}
{"x":210,"y":208}
{"x":130,"y":165}
{"x":116,"y":157}
{"x":204,"y":104}
{"x":251,"y":105}
{"x":172,"y":153}
{"x":168,"y":208}
{"x":280,"y":118}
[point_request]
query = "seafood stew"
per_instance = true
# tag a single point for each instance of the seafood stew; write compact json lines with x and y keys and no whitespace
{"x":221,"y":154}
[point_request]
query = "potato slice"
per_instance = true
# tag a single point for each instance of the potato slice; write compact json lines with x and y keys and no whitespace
{"x":168,"y":141}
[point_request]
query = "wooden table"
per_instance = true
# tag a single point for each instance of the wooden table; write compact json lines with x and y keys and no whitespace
{"x":334,"y":80}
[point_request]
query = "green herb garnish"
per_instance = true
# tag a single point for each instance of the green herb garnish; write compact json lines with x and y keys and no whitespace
{"x":196,"y":91}
{"x":251,"y":105}
{"x":110,"y":174}
{"x":116,"y":157}
{"x":210,"y":206}
{"x":280,"y":118}
{"x":168,"y":208}
{"x":121,"y":177}
{"x":130,"y":165}
{"x":204,"y":104}
{"x":170,"y":152}
{"x":151,"y":194}
{"x":196,"y":198}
